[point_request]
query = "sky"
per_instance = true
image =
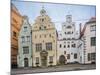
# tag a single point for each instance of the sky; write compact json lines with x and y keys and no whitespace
{"x":56,"y":11}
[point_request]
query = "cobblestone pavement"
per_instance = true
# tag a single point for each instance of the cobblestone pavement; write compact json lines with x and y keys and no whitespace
{"x":69,"y":67}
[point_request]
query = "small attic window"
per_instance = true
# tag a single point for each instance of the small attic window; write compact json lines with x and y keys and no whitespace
{"x":42,"y":20}
{"x":25,"y":29}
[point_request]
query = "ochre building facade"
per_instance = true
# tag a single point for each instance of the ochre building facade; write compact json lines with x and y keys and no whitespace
{"x":16,"y":21}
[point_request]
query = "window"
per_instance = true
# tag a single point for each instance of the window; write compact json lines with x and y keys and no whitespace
{"x":68,"y":46}
{"x":38,"y":47}
{"x":65,"y":32}
{"x":14,"y":34}
{"x":60,"y":45}
{"x":68,"y":32}
{"x":25,"y":50}
{"x":93,"y":28}
{"x":75,"y":56}
{"x":51,"y":59}
{"x":49,"y":46}
{"x":69,"y":19}
{"x":89,"y":56}
{"x":49,"y":35}
{"x":37,"y":60}
{"x":23,"y":39}
{"x":28,"y":38}
{"x":93,"y":41}
{"x":40,"y":28}
{"x":25,"y":29}
{"x":64,"y":46}
{"x":42,"y":20}
{"x":69,"y":27}
{"x":64,"y":52}
{"x":93,"y":56}
{"x":74,"y":45}
{"x":68,"y":56}
{"x":64,"y":38}
{"x":44,"y":27}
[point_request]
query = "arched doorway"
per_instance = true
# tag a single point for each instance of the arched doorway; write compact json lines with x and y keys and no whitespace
{"x":44,"y":55}
{"x":25,"y":62}
{"x":62,"y":59}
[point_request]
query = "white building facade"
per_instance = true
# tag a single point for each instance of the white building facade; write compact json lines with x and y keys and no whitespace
{"x":88,"y":35}
{"x":68,"y":43}
{"x":25,"y":45}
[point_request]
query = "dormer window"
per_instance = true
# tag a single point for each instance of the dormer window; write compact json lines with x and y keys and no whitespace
{"x":25,"y":29}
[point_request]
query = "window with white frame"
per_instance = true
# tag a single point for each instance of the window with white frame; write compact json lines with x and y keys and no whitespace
{"x":38,"y":47}
{"x":25,"y":29}
{"x":49,"y":46}
{"x":93,"y":41}
{"x":75,"y":56}
{"x":68,"y":56}
{"x":28,"y":38}
{"x":93,"y":28}
{"x":60,"y":45}
{"x":51,"y":59}
{"x":93,"y":56}
{"x":25,"y":50}
{"x":37,"y":60}
{"x":23,"y":39}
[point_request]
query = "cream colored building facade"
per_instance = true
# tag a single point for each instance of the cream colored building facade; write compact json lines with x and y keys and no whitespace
{"x":44,"y":41}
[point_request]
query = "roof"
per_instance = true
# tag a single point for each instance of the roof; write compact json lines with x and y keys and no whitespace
{"x":92,"y":20}
{"x":15,"y":10}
